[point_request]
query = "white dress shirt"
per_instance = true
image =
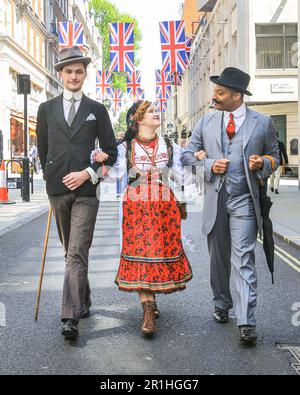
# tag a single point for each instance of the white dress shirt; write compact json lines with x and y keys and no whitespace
{"x":67,"y":96}
{"x":239,"y":117}
{"x":67,"y":101}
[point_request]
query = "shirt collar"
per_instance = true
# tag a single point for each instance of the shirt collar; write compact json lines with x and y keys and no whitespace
{"x":77,"y":95}
{"x":238,"y":113}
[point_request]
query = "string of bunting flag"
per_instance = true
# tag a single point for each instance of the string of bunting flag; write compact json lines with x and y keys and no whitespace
{"x":175,"y":47}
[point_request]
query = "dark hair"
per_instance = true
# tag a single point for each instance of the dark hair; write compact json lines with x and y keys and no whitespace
{"x":135,"y":113}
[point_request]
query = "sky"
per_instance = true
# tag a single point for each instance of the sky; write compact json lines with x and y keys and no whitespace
{"x":149,"y":13}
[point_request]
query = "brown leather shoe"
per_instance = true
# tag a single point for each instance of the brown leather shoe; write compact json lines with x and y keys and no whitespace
{"x":148,"y":325}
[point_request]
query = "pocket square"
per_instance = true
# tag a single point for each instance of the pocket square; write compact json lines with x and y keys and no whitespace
{"x":91,"y":117}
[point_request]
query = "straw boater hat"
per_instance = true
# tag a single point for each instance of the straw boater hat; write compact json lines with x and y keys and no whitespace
{"x":69,"y":56}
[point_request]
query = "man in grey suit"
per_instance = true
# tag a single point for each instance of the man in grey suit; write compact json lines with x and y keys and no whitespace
{"x":241,"y":147}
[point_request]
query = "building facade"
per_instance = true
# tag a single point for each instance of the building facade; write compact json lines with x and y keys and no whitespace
{"x":29,"y":45}
{"x":258,"y":36}
{"x":22,"y":51}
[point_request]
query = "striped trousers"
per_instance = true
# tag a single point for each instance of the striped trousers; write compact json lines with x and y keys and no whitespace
{"x":75,"y":220}
{"x":231,"y":244}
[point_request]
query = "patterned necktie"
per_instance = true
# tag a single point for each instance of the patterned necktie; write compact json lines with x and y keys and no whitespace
{"x":231,"y":127}
{"x":72,"y":112}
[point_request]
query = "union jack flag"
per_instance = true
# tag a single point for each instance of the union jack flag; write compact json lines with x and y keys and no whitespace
{"x":172,"y":35}
{"x":121,"y":47}
{"x":140,"y":94}
{"x":115,"y":96}
{"x":188,"y":47}
{"x":176,"y":79}
{"x":103,"y":80}
{"x":163,"y":84}
{"x":70,"y":34}
{"x":161,"y":105}
{"x":133,"y":84}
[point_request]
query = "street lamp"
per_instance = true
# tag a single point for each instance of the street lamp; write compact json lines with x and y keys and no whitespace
{"x":23,"y":88}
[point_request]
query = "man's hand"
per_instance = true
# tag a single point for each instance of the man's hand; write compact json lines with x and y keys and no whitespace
{"x":200,"y":155}
{"x":101,"y":157}
{"x":74,"y":180}
{"x":220,"y":166}
{"x":256,"y":163}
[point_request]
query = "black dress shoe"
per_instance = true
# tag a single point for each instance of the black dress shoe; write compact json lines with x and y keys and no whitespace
{"x":221,"y":316}
{"x":272,"y":189}
{"x":70,"y":330}
{"x":85,"y":312}
{"x":276,"y":192}
{"x":248,"y":334}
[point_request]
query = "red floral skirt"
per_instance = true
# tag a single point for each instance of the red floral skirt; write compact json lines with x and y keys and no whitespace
{"x":152,"y":258}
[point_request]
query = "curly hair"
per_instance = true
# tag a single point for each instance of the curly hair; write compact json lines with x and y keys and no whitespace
{"x":141,"y":110}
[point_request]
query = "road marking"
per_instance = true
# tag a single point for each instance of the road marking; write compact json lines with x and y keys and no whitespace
{"x":295,"y":351}
{"x":288,"y":255}
{"x":295,"y":266}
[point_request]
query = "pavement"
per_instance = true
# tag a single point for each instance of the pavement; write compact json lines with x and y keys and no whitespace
{"x":285,"y":212}
{"x":188,"y":341}
{"x":14,"y":216}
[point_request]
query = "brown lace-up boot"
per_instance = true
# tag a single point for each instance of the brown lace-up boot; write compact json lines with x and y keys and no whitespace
{"x":155,"y":309}
{"x":148,"y":325}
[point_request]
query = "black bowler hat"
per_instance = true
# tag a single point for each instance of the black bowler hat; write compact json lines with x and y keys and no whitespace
{"x":67,"y":56}
{"x":234,"y":79}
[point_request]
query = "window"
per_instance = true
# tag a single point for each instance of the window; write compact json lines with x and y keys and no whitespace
{"x":274,"y":44}
{"x":280,"y":125}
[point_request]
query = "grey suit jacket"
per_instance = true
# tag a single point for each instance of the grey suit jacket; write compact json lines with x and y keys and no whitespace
{"x":259,"y":139}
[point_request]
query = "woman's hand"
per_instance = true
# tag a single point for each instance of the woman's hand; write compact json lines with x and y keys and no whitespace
{"x":101,"y":157}
{"x":201,"y":155}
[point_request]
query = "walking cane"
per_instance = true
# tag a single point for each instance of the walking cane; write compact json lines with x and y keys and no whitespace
{"x":43,"y":265}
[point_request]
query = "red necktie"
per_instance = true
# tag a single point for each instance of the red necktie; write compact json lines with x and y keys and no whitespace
{"x":231,"y":127}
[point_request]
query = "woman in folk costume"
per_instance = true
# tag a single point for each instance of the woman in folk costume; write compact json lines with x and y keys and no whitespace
{"x":152,"y":257}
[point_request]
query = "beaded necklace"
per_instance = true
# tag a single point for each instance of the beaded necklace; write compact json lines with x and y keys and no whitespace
{"x":143,"y":144}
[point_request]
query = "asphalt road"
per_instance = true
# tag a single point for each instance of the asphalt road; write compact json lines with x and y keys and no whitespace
{"x":188,"y":340}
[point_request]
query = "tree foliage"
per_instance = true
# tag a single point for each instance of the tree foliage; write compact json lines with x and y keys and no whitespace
{"x":121,"y":125}
{"x":105,"y":13}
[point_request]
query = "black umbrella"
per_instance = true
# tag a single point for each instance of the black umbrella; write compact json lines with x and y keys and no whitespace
{"x":268,"y":241}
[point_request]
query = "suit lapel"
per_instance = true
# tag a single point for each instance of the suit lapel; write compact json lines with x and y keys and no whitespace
{"x":83,"y":112}
{"x":218,"y":127}
{"x":60,"y":116}
{"x":251,"y":123}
